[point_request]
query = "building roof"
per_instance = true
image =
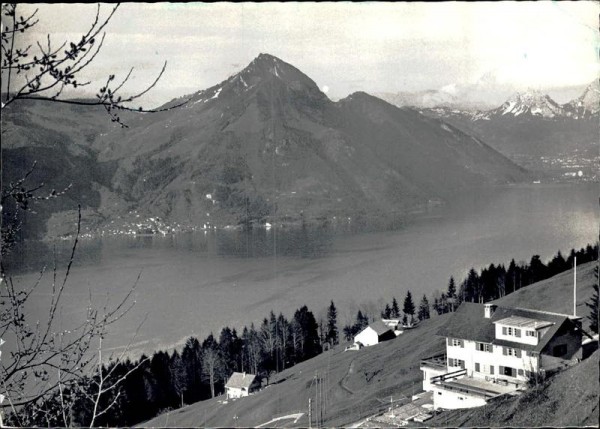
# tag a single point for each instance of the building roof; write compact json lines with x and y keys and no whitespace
{"x":240,"y":380}
{"x":469,"y":323}
{"x":380,"y":327}
{"x":524,"y":322}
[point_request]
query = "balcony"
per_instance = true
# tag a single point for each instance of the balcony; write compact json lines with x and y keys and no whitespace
{"x":435,"y":362}
{"x":474,"y":387}
{"x":449,"y":376}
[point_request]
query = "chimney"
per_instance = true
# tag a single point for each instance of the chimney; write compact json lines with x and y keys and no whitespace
{"x":488,"y":310}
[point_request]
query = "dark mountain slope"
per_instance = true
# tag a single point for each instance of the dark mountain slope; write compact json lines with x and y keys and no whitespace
{"x":268,"y":142}
{"x":57,"y":138}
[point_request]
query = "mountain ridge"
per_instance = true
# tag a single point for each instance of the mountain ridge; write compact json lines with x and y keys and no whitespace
{"x":267,"y":143}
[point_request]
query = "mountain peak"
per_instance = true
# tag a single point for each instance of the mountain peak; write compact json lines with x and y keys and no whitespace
{"x":267,"y":66}
{"x":531,"y":102}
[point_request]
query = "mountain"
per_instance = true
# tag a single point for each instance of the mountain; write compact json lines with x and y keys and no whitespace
{"x":531,"y":103}
{"x":266,"y":143}
{"x":586,"y":105}
{"x":532,"y":125}
{"x":54,"y":142}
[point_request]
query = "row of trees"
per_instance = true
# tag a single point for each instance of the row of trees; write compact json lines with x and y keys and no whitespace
{"x":496,"y":281}
{"x":199,"y":371}
{"x":492,"y":282}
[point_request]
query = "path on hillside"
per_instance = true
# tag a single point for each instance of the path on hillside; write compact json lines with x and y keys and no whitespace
{"x":342,"y":382}
{"x":296,"y":417}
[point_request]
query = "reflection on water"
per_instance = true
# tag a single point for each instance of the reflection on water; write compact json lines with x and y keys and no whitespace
{"x":307,"y":241}
{"x":196,"y":283}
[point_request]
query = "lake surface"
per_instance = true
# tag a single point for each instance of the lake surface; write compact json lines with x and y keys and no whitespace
{"x":192,"y":284}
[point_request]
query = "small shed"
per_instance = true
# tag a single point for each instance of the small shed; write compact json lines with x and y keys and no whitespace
{"x":375,"y":333}
{"x":241,"y":384}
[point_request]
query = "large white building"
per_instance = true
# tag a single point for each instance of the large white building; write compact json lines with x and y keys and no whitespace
{"x":492,"y":350}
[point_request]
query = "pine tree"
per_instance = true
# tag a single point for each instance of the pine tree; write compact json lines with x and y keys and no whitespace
{"x":387,"y":313}
{"x":395,"y":309}
{"x":423,"y":309}
{"x":451,"y":292}
{"x":409,"y":306}
{"x":332,"y":329}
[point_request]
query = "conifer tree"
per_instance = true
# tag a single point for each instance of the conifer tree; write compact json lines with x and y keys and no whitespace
{"x":395,"y":309}
{"x":332,"y":329}
{"x":387,"y":313}
{"x":409,"y":306}
{"x":423,"y":309}
{"x":451,"y":292}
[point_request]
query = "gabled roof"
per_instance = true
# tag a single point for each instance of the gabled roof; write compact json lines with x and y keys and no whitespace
{"x":469,"y":323}
{"x":380,"y":327}
{"x":240,"y":380}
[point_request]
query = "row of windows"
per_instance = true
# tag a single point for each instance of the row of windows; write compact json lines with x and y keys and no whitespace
{"x":502,"y":370}
{"x":485,"y":347}
{"x":516,"y":332}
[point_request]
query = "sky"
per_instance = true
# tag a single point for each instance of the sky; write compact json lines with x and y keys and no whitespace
{"x":478,"y":52}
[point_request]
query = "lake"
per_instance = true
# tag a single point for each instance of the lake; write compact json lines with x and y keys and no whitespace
{"x":195,"y":283}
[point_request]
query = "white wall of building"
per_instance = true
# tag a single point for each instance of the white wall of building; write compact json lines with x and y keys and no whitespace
{"x":368,"y":337}
{"x":453,"y":400}
{"x":470,"y":355}
{"x":523,"y":338}
{"x":236,"y":392}
{"x":429,"y":372}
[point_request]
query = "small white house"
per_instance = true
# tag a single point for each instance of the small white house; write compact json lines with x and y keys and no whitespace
{"x":375,"y":333}
{"x":241,"y":384}
{"x":493,"y":350}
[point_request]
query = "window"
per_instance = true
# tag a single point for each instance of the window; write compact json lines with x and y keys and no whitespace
{"x":477,"y":367}
{"x":506,"y":370}
{"x":529,"y":333}
{"x":520,"y":372}
{"x":456,"y":343}
{"x":483,"y":347}
{"x":509,"y":351}
{"x":511,"y":332}
{"x":456,"y":362}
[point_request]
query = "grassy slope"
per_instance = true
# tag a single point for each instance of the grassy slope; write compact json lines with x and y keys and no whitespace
{"x":556,"y":293}
{"x":355,"y":381}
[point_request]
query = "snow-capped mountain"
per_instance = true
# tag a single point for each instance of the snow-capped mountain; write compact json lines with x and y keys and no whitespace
{"x":530,"y":103}
{"x":585,"y":105}
{"x":532,"y":123}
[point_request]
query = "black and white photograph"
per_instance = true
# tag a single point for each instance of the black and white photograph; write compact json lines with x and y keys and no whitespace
{"x":300,"y":214}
